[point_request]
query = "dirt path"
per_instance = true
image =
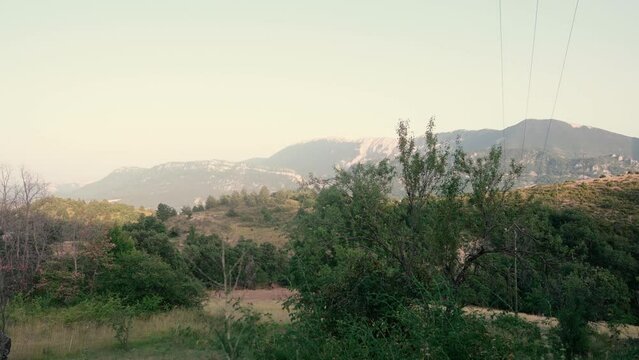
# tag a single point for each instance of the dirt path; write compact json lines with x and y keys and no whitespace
{"x":625,"y":331}
{"x":270,"y":301}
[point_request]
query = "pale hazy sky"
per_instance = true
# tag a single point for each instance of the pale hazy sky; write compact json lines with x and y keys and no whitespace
{"x":87,"y":86}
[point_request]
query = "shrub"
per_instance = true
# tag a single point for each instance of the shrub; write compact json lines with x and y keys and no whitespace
{"x":232,"y":213}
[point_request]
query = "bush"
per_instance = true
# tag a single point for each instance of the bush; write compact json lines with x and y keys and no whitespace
{"x":240,"y":334}
{"x":232,"y":213}
{"x":137,"y":275}
{"x":261,"y":265}
{"x":412,"y":332}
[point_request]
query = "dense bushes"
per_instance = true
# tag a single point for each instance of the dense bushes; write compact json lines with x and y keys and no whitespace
{"x":136,"y":264}
{"x":383,"y":278}
{"x":421,"y":330}
{"x":139,"y":277}
{"x":557,"y":247}
{"x":259,"y":265}
{"x":139,"y":263}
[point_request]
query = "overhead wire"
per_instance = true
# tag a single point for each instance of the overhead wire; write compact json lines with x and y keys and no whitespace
{"x":530,"y":71}
{"x":561,"y":75}
{"x":501,"y":57}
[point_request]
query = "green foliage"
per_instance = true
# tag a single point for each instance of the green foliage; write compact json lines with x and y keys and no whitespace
{"x":165,"y":212}
{"x":137,"y":263}
{"x":260,"y":266}
{"x":239,"y":335}
{"x":377,"y":277}
{"x":423,"y":329}
{"x":235,"y":199}
{"x":84,"y":212}
{"x":186,"y":211}
{"x":122,"y":242}
{"x":554,"y":245}
{"x":225,"y":200}
{"x":174,"y":232}
{"x":359,"y":256}
{"x":573,"y":319}
{"x":210,"y":203}
{"x":151,"y":236}
{"x":137,"y":275}
{"x":263,"y":197}
{"x":422,"y":173}
{"x":232,"y":213}
{"x":267,"y":216}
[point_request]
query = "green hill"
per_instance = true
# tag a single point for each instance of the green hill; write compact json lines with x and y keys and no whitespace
{"x":261,"y":223}
{"x":613,"y":199}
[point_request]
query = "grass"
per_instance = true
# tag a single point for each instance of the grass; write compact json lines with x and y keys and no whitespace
{"x":264,"y":301}
{"x":186,"y":333}
{"x":614,"y":198}
{"x":159,"y":347}
{"x":177,"y":334}
{"x":41,"y":338}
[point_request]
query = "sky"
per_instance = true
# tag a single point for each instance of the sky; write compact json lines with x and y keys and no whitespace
{"x":87,"y":86}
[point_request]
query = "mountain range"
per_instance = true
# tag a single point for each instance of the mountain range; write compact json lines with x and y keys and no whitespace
{"x":571,"y":151}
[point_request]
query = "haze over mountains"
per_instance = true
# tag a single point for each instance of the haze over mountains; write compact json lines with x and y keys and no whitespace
{"x":573,"y":151}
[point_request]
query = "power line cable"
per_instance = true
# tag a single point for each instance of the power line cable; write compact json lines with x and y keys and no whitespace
{"x":532,"y":56}
{"x":561,"y":75}
{"x":501,"y":56}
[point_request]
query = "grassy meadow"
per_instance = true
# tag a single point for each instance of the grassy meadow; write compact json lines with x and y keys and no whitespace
{"x":179,"y":333}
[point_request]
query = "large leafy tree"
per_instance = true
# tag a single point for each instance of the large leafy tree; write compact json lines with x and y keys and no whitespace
{"x":455,"y":211}
{"x":367,"y":263}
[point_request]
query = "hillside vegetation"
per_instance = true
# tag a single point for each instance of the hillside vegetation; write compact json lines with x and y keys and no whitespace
{"x":263,"y":223}
{"x":89,"y":211}
{"x":369,"y":275}
{"x":613,"y":198}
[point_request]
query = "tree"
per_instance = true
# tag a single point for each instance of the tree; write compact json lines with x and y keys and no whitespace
{"x":151,"y":236}
{"x":164,"y":212}
{"x":224,"y":268}
{"x":235,"y":200}
{"x":491,"y":209}
{"x":122,"y":242}
{"x":225,"y":200}
{"x":210,"y":203}
{"x":187,"y":211}
{"x":573,"y":326}
{"x":388,"y":254}
{"x":263,"y":196}
{"x":24,"y":236}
